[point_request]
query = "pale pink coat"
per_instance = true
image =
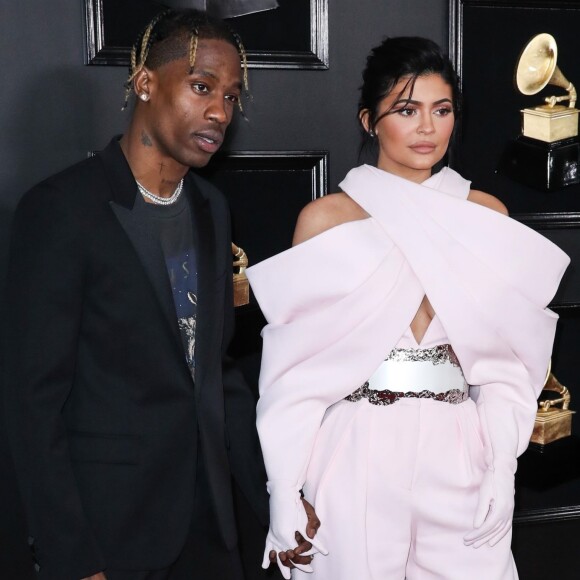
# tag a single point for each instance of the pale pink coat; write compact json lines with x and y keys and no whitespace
{"x":339,"y":302}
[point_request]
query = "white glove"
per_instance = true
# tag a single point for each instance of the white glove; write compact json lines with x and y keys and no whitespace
{"x":287,"y":516}
{"x":495,"y":507}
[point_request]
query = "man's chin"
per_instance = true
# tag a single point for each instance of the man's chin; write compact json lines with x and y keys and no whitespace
{"x":200,"y":161}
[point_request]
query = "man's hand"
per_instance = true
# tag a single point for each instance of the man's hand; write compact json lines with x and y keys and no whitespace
{"x":99,"y":576}
{"x":313,"y":521}
{"x":293,"y":558}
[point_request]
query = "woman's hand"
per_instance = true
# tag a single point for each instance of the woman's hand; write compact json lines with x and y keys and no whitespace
{"x":297,"y":557}
{"x":290,"y":515}
{"x":495,"y":508}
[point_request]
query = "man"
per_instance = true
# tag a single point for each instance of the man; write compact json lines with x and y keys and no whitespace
{"x":126,"y":418}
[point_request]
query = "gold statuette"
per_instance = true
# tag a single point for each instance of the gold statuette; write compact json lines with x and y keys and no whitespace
{"x":546,"y":154}
{"x":554,"y":417}
{"x":536,"y":69}
{"x":241,"y":283}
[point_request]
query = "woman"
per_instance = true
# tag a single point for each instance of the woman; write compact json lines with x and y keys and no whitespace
{"x":408,"y":340}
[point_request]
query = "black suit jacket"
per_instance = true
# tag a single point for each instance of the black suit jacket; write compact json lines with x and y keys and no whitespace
{"x":103,"y":416}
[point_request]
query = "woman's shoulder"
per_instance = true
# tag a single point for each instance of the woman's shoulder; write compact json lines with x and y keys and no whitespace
{"x":325,"y":213}
{"x":487,"y":200}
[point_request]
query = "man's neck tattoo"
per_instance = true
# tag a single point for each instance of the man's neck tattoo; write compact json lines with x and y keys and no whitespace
{"x":146,"y":140}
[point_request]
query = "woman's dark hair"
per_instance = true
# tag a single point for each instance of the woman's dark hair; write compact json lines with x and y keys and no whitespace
{"x":400,"y":58}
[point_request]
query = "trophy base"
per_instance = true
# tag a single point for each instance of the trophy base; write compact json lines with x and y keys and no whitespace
{"x":550,"y":124}
{"x":541,"y":165}
{"x":552,"y":425}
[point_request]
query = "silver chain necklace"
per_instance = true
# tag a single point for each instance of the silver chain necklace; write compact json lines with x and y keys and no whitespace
{"x":157,"y":198}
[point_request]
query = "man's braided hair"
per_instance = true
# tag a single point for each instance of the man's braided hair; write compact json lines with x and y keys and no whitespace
{"x":173,"y":34}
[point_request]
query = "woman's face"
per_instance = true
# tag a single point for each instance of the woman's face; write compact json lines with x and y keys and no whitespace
{"x":414,"y":135}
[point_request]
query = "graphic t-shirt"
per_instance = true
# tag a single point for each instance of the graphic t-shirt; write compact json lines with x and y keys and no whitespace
{"x":174,"y":226}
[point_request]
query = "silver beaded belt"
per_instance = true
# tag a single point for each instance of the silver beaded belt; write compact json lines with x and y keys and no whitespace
{"x":386,"y":397}
{"x":416,"y":374}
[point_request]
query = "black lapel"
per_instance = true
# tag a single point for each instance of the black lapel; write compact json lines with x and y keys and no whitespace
{"x":204,"y":243}
{"x":142,"y":237}
{"x":144,"y":240}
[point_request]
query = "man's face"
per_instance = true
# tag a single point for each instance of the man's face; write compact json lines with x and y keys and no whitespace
{"x":188,"y":114}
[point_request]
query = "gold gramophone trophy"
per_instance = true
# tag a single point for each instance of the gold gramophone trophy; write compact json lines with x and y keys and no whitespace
{"x":545,"y":155}
{"x":554,"y":416}
{"x":241,"y":282}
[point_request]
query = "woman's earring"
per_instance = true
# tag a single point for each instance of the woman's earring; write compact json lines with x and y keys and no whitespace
{"x":144,"y":97}
{"x":372,"y":134}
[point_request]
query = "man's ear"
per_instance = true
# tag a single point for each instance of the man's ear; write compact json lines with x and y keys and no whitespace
{"x":363,"y":117}
{"x":142,"y":83}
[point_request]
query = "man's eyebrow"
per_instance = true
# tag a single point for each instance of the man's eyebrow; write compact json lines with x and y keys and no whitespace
{"x":204,"y":73}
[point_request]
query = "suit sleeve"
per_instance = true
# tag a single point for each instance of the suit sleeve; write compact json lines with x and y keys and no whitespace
{"x":44,"y":311}
{"x":245,"y":453}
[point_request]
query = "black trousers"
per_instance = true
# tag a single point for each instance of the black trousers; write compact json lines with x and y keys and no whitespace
{"x":203,"y":556}
{"x":197,"y":561}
